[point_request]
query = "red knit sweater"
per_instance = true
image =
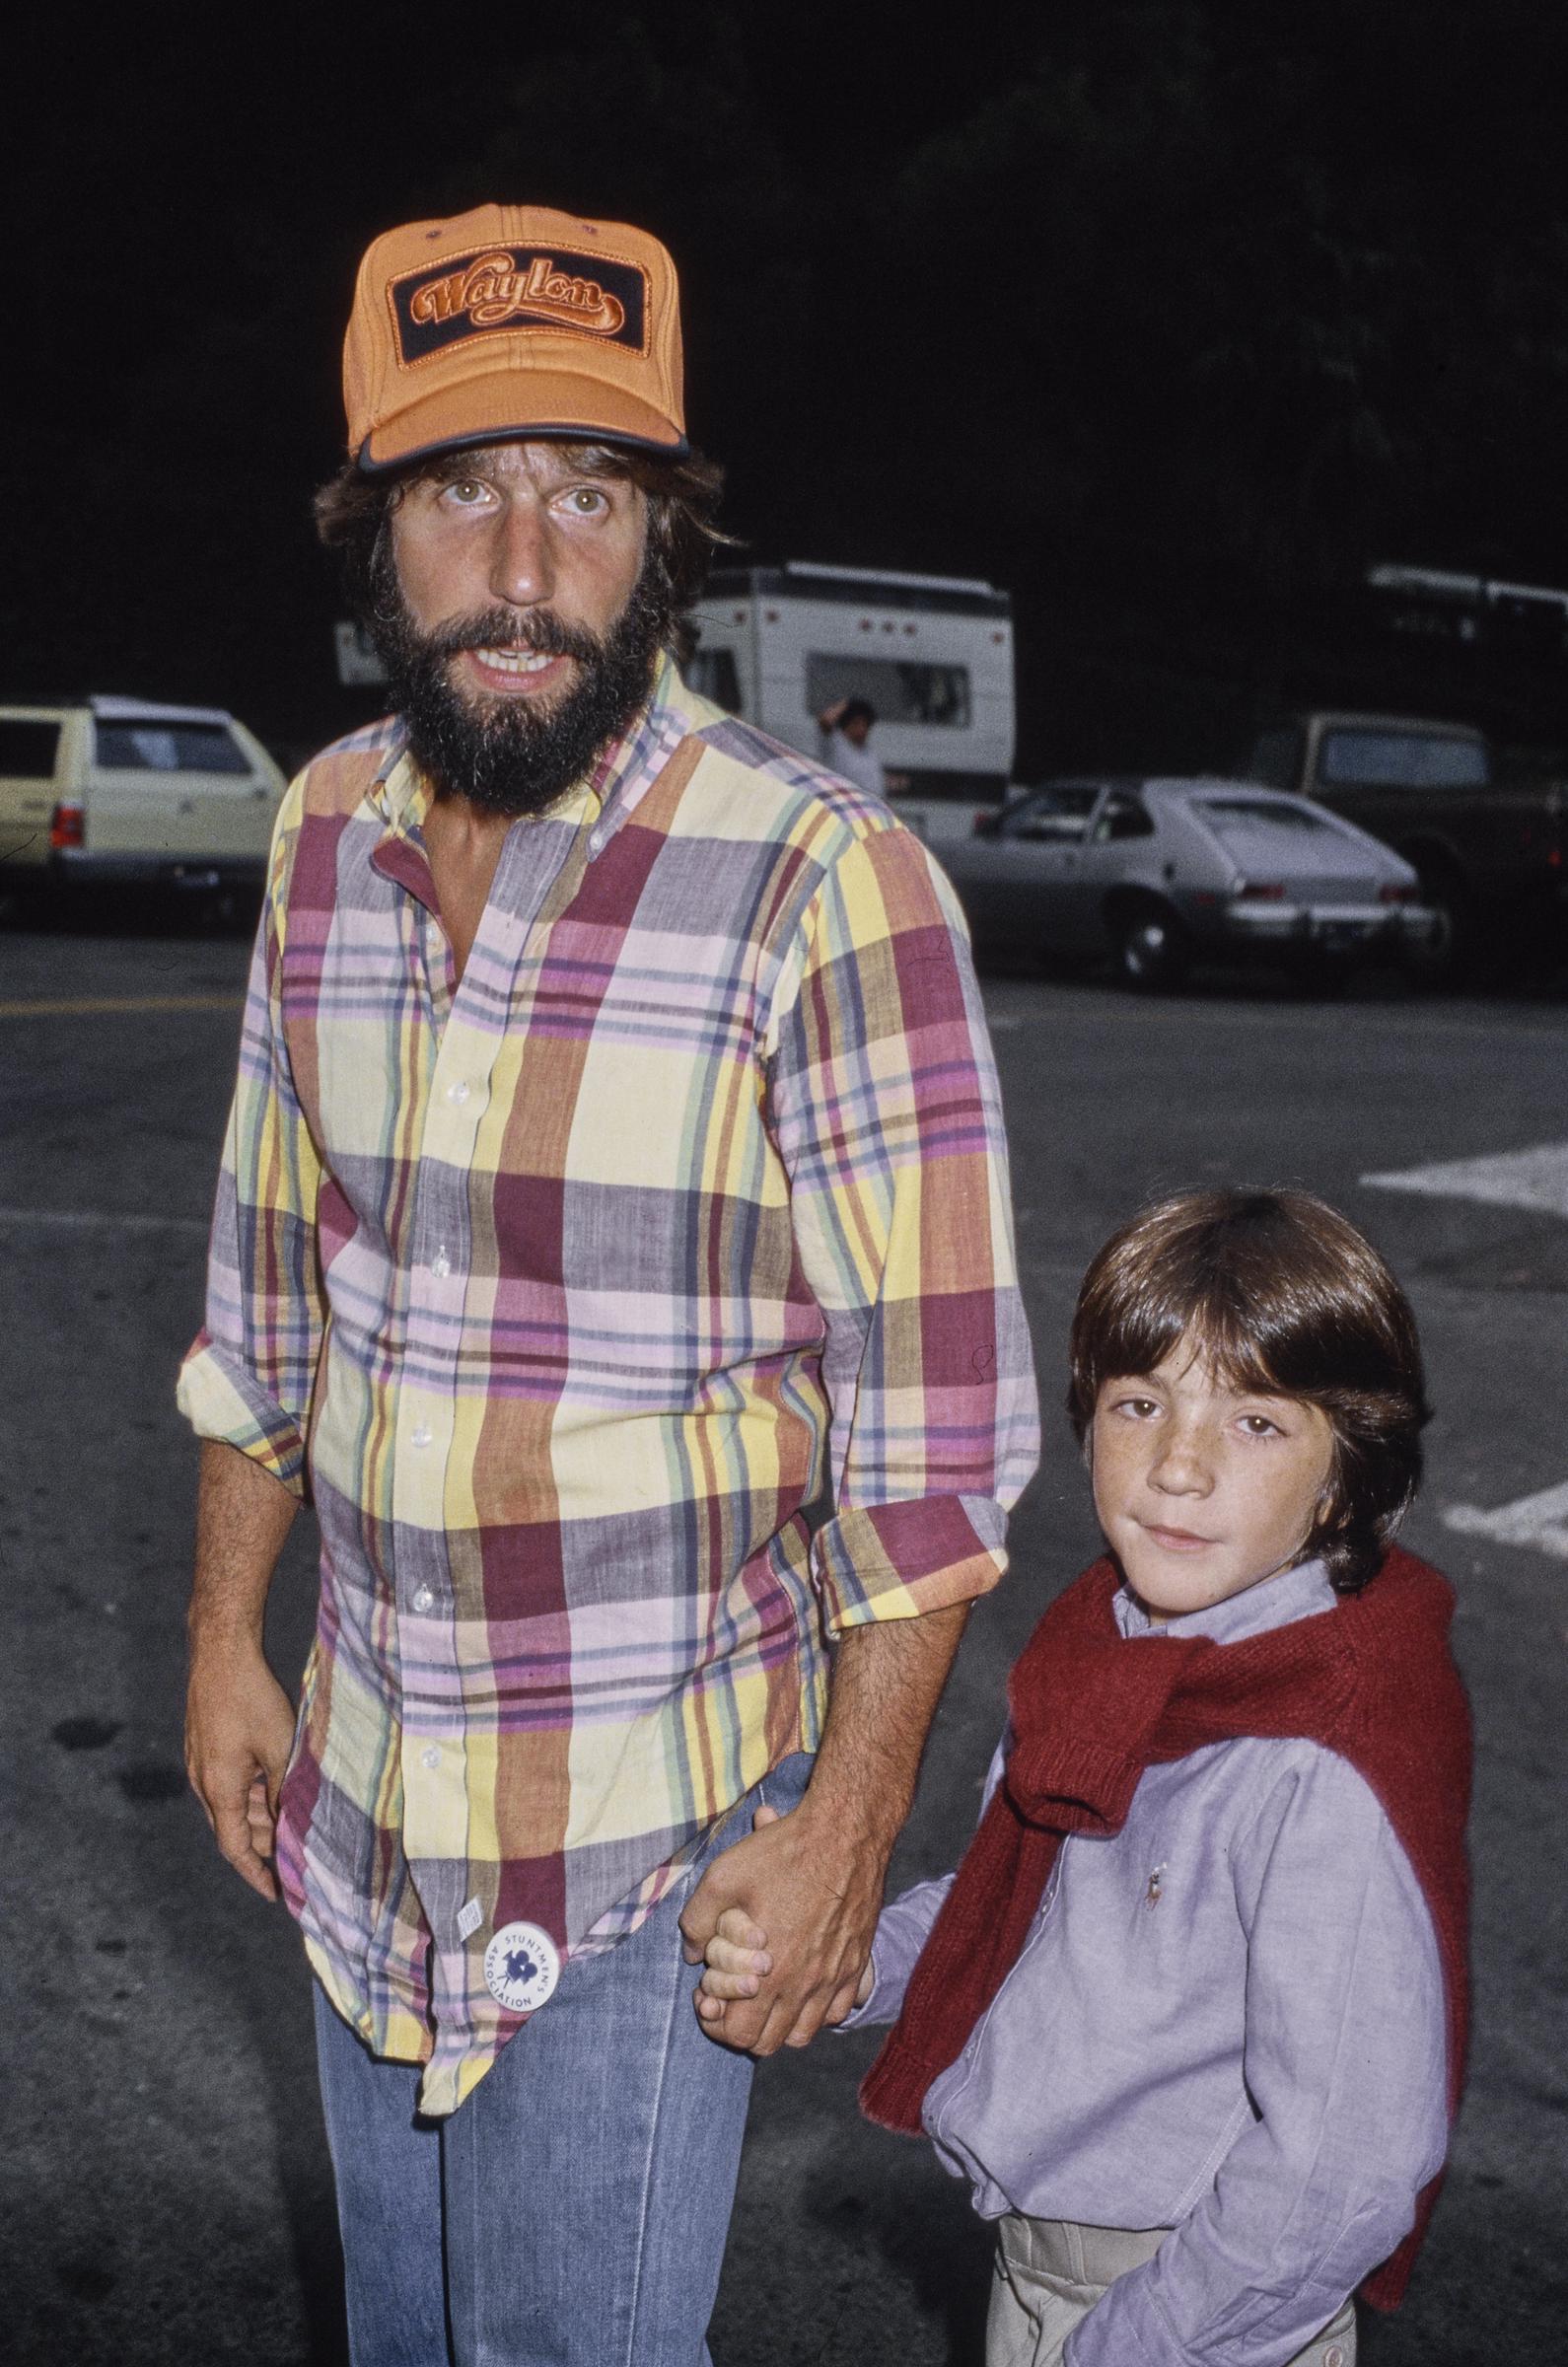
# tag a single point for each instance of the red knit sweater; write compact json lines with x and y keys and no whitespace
{"x":1372,"y":1680}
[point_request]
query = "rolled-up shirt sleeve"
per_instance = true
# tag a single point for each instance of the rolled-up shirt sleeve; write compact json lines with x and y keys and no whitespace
{"x":1344,"y":2066}
{"x":249,"y":1372}
{"x":886,"y":1108}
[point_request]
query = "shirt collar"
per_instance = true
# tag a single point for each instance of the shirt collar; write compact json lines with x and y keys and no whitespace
{"x":618,"y":781}
{"x":1294,"y":1593}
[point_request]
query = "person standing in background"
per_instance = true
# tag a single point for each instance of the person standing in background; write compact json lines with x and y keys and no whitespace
{"x":846,"y":728}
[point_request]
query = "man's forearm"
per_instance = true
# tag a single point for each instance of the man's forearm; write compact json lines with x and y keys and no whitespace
{"x":886,"y":1681}
{"x":243,"y":1517}
{"x":238,"y":1720}
{"x":813,"y":1882}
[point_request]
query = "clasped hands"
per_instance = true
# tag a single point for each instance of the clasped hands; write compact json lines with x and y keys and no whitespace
{"x":782,"y":1923}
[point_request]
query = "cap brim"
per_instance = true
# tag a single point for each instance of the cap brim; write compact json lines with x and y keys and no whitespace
{"x":516,"y":402}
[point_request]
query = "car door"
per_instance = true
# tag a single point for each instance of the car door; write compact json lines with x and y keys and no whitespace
{"x":1019,"y":883}
{"x":1119,"y":851}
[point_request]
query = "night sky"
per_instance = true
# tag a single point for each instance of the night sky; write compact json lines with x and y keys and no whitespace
{"x":1168,"y":317}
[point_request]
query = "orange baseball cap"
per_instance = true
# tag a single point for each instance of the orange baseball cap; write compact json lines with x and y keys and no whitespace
{"x":512,"y":320}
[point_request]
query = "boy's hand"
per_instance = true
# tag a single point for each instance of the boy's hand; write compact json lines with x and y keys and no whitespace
{"x":734,"y":1960}
{"x":737,"y":1955}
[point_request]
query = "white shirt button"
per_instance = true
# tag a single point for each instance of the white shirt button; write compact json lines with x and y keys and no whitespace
{"x":420,"y":1437}
{"x":441,"y":1265}
{"x":458,"y":1092}
{"x":596,"y":839}
{"x":422,"y":1598}
{"x":431,"y":1755}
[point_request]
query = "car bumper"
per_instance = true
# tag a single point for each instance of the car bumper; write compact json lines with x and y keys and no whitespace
{"x":1328,"y":928}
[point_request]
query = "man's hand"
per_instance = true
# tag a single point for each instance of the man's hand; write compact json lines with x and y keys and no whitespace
{"x":238,"y":1732}
{"x":737,"y":1960}
{"x":812,"y":1895}
{"x":812,"y":1882}
{"x":239,"y":1721}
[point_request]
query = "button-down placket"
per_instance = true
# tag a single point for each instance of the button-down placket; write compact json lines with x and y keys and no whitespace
{"x":538,"y":863}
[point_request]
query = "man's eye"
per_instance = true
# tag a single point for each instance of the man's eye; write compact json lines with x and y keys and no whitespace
{"x":466,"y":491}
{"x":585,"y":501}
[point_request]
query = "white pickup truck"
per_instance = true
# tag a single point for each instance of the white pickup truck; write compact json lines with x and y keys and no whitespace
{"x":931,"y":654}
{"x":121,"y":791}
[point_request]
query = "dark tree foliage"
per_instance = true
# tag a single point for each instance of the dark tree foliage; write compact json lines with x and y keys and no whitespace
{"x":1169,"y":313}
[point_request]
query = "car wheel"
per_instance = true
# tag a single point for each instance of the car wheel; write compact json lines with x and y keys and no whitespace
{"x":1152,"y":951}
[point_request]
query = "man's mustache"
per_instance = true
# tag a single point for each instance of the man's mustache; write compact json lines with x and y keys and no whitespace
{"x":540,"y":631}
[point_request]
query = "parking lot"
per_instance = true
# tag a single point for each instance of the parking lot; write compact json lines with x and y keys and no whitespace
{"x":166,"y":2185}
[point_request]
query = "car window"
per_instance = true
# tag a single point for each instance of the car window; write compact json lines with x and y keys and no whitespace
{"x":1402,"y":760}
{"x":27,"y":749}
{"x":168,"y":748}
{"x":1060,"y":811}
{"x":1123,"y":817}
{"x":1246,"y":817}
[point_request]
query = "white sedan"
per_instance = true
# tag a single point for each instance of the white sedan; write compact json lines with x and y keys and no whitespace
{"x":1158,"y":873}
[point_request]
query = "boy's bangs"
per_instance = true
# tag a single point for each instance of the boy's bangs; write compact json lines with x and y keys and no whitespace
{"x":1161,"y":1318}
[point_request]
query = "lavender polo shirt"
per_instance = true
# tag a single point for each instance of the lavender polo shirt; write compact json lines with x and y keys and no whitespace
{"x":1227,"y":2020}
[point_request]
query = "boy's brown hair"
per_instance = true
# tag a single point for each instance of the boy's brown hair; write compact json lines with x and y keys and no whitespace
{"x":1277,"y":1292}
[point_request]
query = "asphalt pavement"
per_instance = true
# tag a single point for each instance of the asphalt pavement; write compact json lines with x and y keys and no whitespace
{"x":163,"y":2185}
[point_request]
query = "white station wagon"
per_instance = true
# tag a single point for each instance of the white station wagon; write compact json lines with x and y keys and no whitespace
{"x":1158,"y":873}
{"x":120,"y":791}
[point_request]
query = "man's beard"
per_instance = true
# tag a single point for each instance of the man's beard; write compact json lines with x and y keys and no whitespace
{"x":504,"y":753}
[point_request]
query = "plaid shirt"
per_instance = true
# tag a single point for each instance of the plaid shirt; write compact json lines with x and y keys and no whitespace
{"x":644,"y":1307}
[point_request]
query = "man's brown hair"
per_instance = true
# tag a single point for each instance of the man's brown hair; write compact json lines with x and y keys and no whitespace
{"x":1278,"y":1293}
{"x":353,"y":511}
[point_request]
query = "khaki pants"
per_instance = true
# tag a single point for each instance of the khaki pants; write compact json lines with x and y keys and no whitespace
{"x":1050,"y":2273}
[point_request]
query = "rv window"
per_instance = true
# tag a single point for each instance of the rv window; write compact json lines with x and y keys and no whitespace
{"x":711,"y":673}
{"x":901,"y":692}
{"x":169,"y":748}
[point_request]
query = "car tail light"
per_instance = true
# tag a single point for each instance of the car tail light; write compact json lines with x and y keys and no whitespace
{"x":986,"y":824}
{"x":1391,"y":894}
{"x":66,"y":826}
{"x":1259,"y":892}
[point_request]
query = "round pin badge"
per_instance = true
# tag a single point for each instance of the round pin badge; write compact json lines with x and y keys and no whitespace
{"x":522,"y":1966}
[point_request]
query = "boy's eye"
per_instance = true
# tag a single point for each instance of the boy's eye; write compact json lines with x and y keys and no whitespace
{"x":1138,"y":1409}
{"x":1259,"y":1425}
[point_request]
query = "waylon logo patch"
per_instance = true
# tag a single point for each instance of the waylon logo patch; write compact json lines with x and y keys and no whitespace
{"x":522,"y":1966}
{"x":520,"y":287}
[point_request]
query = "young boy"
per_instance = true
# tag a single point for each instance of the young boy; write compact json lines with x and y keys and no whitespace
{"x":1191,"y":2016}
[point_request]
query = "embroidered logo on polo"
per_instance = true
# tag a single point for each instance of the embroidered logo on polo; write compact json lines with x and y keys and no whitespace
{"x":522,"y":1966}
{"x":509,"y":288}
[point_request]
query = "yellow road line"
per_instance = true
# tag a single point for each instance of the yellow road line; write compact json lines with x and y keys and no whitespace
{"x":91,"y":1006}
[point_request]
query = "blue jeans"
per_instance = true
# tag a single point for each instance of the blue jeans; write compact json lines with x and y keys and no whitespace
{"x":573,"y":2211}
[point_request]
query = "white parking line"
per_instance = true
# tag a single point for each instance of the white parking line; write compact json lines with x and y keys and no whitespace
{"x":1540,"y":1521}
{"x":100,"y":1220}
{"x":1534,"y":1179}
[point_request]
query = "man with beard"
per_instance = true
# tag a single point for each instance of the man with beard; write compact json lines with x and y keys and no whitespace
{"x":613,"y":1242}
